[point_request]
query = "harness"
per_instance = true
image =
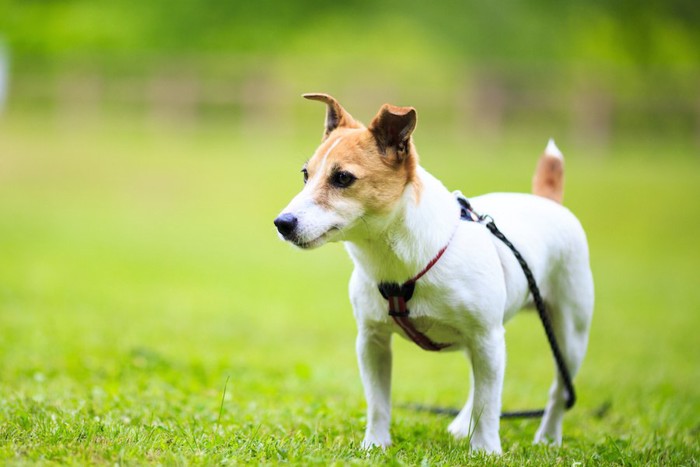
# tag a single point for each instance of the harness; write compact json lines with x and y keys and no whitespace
{"x":397,"y":296}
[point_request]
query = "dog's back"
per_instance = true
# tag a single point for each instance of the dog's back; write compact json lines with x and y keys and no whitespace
{"x":548,"y":235}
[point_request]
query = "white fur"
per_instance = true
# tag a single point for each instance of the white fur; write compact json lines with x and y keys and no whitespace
{"x":553,"y":150}
{"x":466,"y":298}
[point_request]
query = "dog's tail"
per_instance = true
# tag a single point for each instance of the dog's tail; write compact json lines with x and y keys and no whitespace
{"x":548,"y":180}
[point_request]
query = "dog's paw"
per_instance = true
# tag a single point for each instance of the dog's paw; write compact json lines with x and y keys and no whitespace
{"x":550,"y":439}
{"x":371,"y":442}
{"x":460,"y":428}
{"x":488,"y":446}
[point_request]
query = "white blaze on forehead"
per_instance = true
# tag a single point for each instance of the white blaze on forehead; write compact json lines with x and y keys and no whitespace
{"x":325,"y":157}
{"x":310,"y":186}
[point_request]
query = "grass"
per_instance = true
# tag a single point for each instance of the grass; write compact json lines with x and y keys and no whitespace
{"x":148,"y":314}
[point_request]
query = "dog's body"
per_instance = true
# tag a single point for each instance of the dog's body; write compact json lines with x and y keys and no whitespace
{"x":365,"y":187}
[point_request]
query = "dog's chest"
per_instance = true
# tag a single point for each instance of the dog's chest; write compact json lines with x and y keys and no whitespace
{"x":440,"y":313}
{"x":438,"y":331}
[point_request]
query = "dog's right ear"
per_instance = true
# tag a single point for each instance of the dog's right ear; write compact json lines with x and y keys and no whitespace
{"x":336,"y":115}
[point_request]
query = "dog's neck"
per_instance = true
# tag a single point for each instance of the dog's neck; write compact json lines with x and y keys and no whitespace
{"x":398,"y":245}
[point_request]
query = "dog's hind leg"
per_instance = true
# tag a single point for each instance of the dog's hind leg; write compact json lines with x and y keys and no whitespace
{"x":570,"y":313}
{"x":462,"y":426}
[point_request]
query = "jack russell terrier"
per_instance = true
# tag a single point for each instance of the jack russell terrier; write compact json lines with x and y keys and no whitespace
{"x":364,"y":186}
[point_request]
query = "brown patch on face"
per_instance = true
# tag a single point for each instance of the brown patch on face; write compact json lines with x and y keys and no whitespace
{"x":381,"y":176}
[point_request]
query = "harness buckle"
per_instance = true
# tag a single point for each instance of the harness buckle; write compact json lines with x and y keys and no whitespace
{"x":393,"y":289}
{"x":397,"y":295}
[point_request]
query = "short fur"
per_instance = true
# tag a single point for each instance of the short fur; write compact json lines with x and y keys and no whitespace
{"x":394,"y":217}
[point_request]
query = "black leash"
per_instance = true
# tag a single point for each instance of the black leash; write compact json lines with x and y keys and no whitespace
{"x":546,"y":323}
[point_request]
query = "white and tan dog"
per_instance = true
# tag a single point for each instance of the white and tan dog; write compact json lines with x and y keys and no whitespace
{"x":365,"y":187}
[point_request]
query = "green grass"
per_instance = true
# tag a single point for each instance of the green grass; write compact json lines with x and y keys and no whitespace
{"x":148,"y":313}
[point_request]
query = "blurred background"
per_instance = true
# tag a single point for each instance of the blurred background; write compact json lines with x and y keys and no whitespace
{"x":595,"y":71}
{"x":146,"y":146}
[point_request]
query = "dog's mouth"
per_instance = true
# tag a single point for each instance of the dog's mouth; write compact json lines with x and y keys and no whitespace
{"x":316,"y":242}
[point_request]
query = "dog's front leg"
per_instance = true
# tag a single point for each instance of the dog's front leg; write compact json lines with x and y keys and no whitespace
{"x":374,"y":357}
{"x":480,"y":418}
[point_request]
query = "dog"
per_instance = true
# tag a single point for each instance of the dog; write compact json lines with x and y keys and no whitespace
{"x":364,"y":186}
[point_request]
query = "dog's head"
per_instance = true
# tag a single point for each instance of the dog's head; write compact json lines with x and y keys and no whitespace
{"x":356,"y":176}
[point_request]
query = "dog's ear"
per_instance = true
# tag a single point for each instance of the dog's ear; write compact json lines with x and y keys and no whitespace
{"x":336,"y":115}
{"x":392,"y":128}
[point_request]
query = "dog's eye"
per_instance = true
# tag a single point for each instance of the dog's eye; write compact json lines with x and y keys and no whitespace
{"x":306,"y":174}
{"x":342,"y":179}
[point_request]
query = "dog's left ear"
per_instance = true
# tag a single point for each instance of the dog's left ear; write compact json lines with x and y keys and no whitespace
{"x":392,"y":128}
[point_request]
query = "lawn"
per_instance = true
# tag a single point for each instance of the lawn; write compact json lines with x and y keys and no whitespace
{"x":149,"y":314}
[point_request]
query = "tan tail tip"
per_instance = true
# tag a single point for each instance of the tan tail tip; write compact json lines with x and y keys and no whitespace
{"x":553,"y":150}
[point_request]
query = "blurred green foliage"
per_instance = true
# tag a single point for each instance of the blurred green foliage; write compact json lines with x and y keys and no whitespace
{"x":652,"y":33}
{"x":595,"y":70}
{"x":602,"y":67}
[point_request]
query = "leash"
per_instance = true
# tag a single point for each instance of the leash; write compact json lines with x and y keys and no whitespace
{"x":546,"y":323}
{"x":398,"y":294}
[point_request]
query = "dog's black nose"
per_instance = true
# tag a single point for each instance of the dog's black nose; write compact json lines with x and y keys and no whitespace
{"x":286,"y":223}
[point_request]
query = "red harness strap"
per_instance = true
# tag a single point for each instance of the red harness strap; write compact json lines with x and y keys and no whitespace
{"x":397,"y":296}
